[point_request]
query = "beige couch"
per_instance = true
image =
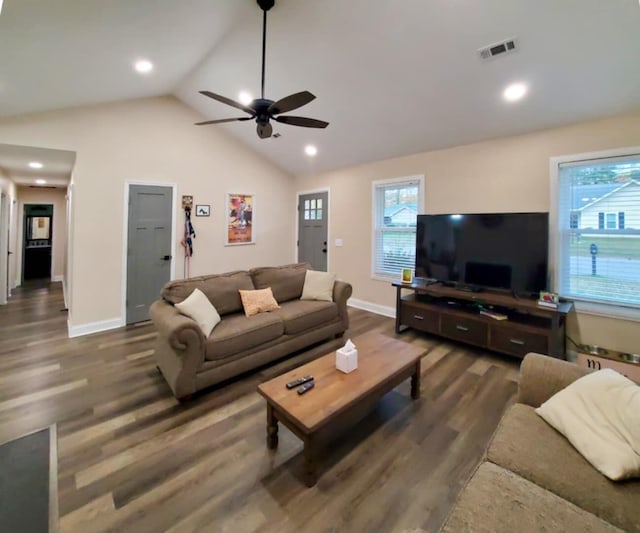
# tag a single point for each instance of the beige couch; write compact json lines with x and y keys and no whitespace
{"x":189,"y":362}
{"x":533,"y":479}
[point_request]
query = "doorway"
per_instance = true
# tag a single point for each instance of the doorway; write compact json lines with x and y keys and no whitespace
{"x":4,"y":248}
{"x":37,"y":242}
{"x":313,"y":216}
{"x":149,"y":256}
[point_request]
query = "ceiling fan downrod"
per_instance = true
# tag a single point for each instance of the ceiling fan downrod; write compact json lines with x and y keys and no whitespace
{"x":265,"y":5}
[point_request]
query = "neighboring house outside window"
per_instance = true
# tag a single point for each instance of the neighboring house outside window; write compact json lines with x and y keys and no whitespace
{"x":396,"y":205}
{"x":598,"y":203}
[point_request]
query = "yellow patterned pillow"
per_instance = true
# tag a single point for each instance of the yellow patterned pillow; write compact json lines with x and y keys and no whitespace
{"x":258,"y":301}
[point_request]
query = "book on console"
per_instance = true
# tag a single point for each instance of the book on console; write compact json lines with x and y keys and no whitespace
{"x":493,"y":314}
{"x":546,"y":303}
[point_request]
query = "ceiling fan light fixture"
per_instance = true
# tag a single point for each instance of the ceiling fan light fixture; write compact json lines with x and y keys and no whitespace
{"x":262,"y":110}
{"x":143,"y":66}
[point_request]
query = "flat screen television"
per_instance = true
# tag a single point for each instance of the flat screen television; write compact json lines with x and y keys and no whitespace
{"x":495,"y":250}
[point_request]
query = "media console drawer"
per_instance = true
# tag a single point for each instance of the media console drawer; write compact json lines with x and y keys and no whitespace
{"x":419,"y":318}
{"x":465,"y":329}
{"x":515,"y":341}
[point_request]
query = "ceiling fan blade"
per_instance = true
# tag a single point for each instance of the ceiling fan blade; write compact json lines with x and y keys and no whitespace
{"x":302,"y":121}
{"x":228,"y":101}
{"x":291,"y":102}
{"x":264,"y":130}
{"x":222,"y":120}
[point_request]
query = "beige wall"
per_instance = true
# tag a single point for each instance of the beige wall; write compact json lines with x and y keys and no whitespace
{"x":509,"y":174}
{"x":154,"y":140}
{"x":33,"y":195}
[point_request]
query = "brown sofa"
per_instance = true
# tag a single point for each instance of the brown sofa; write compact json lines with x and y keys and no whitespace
{"x":533,"y":479}
{"x":189,"y":362}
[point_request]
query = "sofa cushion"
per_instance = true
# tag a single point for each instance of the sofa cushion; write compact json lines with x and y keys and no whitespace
{"x":497,"y":500}
{"x":318,"y":286}
{"x":237,"y":333}
{"x":528,"y":446}
{"x":286,"y":281}
{"x":221,"y":289}
{"x":302,"y":315}
{"x":600,"y":415}
{"x":198,"y":307}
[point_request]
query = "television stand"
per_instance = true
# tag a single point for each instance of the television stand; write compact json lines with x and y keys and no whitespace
{"x":455,"y":314}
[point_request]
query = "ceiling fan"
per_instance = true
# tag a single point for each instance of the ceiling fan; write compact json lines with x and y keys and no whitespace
{"x":262,"y":109}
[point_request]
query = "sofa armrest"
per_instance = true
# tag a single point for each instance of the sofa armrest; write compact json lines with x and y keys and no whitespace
{"x":181,"y":331}
{"x":341,"y":293}
{"x":542,"y":376}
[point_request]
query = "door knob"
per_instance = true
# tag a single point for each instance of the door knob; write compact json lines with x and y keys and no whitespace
{"x":324,"y":250}
{"x":166,"y":258}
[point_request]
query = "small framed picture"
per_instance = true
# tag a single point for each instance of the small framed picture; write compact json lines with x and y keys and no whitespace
{"x":203,"y":210}
{"x":187,"y":201}
{"x":550,"y":297}
{"x":407,"y":275}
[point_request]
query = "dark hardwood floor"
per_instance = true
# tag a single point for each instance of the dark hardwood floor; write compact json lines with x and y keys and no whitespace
{"x":132,"y":458}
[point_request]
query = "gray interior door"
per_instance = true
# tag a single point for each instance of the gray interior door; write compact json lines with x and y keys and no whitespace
{"x":148,"y":247}
{"x":312,"y":229}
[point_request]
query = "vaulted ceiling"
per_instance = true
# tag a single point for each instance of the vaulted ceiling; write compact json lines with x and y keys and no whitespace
{"x":392,"y":77}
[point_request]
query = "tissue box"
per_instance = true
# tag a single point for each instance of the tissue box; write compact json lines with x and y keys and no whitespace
{"x":346,"y":360}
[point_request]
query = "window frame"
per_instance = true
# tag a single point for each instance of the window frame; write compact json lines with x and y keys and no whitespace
{"x":585,"y":306}
{"x":375,"y":217}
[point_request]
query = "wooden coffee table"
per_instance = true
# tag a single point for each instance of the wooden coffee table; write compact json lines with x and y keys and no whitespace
{"x":338,"y":400}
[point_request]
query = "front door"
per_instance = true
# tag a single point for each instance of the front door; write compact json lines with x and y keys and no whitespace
{"x":148,"y":247}
{"x":312,"y":229}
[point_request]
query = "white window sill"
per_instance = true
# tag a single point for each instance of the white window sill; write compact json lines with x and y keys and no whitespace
{"x":607,"y":310}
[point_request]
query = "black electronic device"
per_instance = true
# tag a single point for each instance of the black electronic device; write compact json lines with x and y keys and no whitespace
{"x":492,"y":250}
{"x":306,"y":387}
{"x":300,"y":381}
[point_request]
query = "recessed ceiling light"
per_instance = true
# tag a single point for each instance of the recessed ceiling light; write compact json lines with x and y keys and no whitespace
{"x":144,"y":66}
{"x":35,"y":164}
{"x":245,"y":97}
{"x":310,"y":150}
{"x":41,"y":181}
{"x":514,"y":92}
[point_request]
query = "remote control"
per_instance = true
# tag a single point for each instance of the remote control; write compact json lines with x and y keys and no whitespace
{"x":306,"y":387}
{"x":300,"y":381}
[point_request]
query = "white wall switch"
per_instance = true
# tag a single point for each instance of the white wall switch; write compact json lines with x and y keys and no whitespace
{"x":338,"y":242}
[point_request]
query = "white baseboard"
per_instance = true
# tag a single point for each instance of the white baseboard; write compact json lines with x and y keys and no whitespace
{"x":94,"y":327}
{"x":378,"y":309}
{"x":57,"y":278}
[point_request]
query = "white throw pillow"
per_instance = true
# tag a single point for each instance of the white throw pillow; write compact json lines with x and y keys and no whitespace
{"x":600,"y":415}
{"x":318,"y":286}
{"x":198,"y":307}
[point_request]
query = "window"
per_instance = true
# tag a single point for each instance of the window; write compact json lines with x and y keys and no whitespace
{"x":396,"y":204}
{"x":598,"y":230}
{"x":313,"y":209}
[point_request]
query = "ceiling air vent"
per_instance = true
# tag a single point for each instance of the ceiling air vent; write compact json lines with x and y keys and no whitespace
{"x":496,"y":49}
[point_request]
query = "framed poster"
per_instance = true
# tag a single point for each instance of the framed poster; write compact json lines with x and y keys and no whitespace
{"x":240,"y":218}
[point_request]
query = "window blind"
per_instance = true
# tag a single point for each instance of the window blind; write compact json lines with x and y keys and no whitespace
{"x":599,"y":230}
{"x":396,"y":206}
